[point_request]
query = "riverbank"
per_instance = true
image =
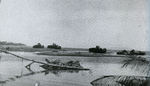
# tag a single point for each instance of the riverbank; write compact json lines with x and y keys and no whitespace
{"x":81,"y":54}
{"x":98,"y":67}
{"x":64,"y":52}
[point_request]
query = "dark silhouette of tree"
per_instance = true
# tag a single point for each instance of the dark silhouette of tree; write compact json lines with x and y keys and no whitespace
{"x":123,"y":52}
{"x":38,"y":46}
{"x":132,"y":52}
{"x":54,"y":46}
{"x":97,"y":49}
{"x":104,"y":49}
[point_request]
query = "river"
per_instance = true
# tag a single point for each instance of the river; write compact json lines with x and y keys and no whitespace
{"x":14,"y":73}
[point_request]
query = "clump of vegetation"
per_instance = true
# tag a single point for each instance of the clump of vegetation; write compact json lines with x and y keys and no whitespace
{"x":11,"y":43}
{"x":54,"y":46}
{"x":137,"y":62}
{"x":113,"y":80}
{"x":132,"y":52}
{"x":69,"y":63}
{"x":97,"y":49}
{"x":38,"y":46}
{"x":123,"y":52}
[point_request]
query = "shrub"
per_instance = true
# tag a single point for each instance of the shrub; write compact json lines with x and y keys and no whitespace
{"x":54,"y":46}
{"x":38,"y":46}
{"x":123,"y":52}
{"x":97,"y":49}
{"x":132,"y":52}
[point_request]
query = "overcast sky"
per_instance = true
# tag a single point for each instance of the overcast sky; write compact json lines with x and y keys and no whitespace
{"x":76,"y":23}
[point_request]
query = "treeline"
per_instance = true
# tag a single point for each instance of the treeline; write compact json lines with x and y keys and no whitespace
{"x":10,"y":43}
{"x":53,"y":46}
{"x":97,"y":49}
{"x":131,"y":52}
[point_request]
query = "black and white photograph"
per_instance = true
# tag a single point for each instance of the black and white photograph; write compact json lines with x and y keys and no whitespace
{"x":74,"y":43}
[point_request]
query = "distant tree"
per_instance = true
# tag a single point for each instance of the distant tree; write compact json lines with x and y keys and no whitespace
{"x":123,"y":52}
{"x":131,"y":52}
{"x":104,"y":49}
{"x":54,"y":46}
{"x":38,"y":46}
{"x":97,"y":49}
{"x":141,"y":53}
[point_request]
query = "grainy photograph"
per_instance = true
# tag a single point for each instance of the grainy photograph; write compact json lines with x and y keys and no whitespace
{"x":74,"y":43}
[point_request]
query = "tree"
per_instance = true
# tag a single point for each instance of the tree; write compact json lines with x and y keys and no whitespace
{"x":38,"y":46}
{"x":132,"y":52}
{"x":54,"y":46}
{"x":97,"y":49}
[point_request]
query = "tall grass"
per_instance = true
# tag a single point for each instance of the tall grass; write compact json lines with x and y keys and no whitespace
{"x":135,"y":62}
{"x":113,"y":80}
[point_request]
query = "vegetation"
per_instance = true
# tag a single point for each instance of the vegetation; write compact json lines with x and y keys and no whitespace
{"x":113,"y":80}
{"x":38,"y":46}
{"x":11,"y":43}
{"x":97,"y":49}
{"x":70,"y":63}
{"x":54,"y":46}
{"x":134,"y":62}
{"x":132,"y":52}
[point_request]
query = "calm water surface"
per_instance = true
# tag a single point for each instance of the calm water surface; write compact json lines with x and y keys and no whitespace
{"x":14,"y":73}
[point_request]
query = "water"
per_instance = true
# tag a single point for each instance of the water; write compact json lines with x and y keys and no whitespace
{"x":13,"y":72}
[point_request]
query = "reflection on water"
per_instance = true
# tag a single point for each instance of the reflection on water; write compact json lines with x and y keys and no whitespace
{"x":14,"y":73}
{"x":55,"y":72}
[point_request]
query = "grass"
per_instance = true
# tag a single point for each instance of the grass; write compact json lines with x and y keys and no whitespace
{"x":135,"y":62}
{"x":113,"y":80}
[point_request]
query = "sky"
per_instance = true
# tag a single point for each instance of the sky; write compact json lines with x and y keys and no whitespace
{"x":76,"y":23}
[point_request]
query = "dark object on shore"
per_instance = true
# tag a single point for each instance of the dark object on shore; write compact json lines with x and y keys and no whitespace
{"x":97,"y":49}
{"x":54,"y":46}
{"x":113,"y":80}
{"x":58,"y":65}
{"x":132,"y":52}
{"x":38,"y":46}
